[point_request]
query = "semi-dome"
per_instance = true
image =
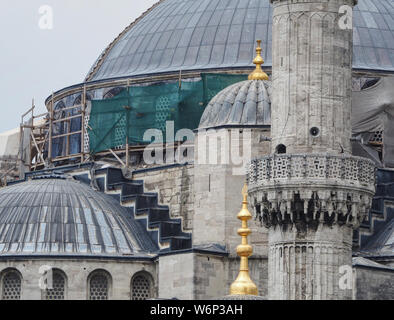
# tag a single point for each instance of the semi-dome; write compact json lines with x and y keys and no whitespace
{"x":246,"y":103}
{"x":203,"y":35}
{"x":59,"y":217}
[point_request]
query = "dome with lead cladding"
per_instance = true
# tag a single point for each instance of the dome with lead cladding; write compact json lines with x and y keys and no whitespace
{"x":201,"y":35}
{"x":58,"y":217}
{"x":246,"y":103}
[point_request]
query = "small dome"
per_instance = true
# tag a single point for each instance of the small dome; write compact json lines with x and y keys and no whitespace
{"x":246,"y":103}
{"x":67,"y":218}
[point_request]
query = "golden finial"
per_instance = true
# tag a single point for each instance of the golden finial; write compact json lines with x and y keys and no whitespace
{"x":244,"y":284}
{"x":258,"y":73}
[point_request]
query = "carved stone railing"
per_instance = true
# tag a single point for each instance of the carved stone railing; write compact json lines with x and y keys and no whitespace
{"x":311,"y":187}
{"x":328,"y":169}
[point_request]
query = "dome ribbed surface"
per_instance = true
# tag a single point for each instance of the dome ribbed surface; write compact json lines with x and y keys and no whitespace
{"x":65,"y":217}
{"x":246,"y":103}
{"x":220,"y":34}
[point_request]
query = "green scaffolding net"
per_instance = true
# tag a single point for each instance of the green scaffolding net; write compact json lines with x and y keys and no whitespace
{"x":127,"y":116}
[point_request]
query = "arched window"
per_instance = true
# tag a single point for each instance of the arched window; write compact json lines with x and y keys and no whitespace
{"x":141,"y":286}
{"x":113,"y":92}
{"x":78,"y":100}
{"x":58,"y":291}
{"x":11,"y":285}
{"x":76,"y":125}
{"x":369,"y":82}
{"x":58,"y":129}
{"x":281,"y":149}
{"x":99,"y":285}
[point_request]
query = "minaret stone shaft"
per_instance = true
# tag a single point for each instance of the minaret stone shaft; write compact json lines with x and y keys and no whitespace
{"x":310,"y":193}
{"x":312,"y":77}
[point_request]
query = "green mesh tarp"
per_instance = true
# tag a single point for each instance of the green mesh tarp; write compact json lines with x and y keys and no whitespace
{"x":107,"y":124}
{"x":151,"y":107}
{"x":214,"y":83}
{"x":127,"y":116}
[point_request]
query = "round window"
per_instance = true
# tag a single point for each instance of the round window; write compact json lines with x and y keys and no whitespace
{"x":315,"y":132}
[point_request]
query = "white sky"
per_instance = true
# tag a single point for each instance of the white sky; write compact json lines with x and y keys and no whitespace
{"x":35,"y":62}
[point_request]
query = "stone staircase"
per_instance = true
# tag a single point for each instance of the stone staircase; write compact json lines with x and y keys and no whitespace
{"x":382,"y":211}
{"x":164,"y":230}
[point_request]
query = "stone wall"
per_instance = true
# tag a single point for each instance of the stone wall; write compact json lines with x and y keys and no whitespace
{"x":374,"y":284}
{"x":205,"y":276}
{"x":176,"y":276}
{"x":174,"y":187}
{"x":210,"y":277}
{"x":217,"y":190}
{"x":77,"y":272}
{"x":210,"y":189}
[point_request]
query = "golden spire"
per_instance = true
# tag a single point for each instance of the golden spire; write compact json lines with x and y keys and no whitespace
{"x":244,"y":285}
{"x":258,"y":73}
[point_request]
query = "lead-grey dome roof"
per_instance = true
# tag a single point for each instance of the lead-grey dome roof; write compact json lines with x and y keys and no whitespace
{"x":245,"y":103}
{"x":67,"y":218}
{"x":220,"y":34}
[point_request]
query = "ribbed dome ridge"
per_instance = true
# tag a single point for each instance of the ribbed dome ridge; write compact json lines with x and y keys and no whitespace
{"x":246,"y":103}
{"x":67,"y":218}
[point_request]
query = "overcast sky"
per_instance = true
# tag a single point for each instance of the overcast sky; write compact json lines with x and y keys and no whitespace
{"x":35,"y":62}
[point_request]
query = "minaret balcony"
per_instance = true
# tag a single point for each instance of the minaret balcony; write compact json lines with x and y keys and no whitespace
{"x":309,"y":189}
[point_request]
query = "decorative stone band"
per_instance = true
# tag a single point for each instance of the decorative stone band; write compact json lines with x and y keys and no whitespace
{"x":343,"y":170}
{"x":311,"y":188}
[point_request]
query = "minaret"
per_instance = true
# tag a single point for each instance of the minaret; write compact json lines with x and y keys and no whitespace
{"x":310,"y":193}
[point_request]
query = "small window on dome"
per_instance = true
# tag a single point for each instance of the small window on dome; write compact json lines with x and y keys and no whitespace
{"x":11,"y":285}
{"x":113,"y":92}
{"x":281,"y":149}
{"x":141,"y":286}
{"x":315,"y":132}
{"x":377,"y":138}
{"x":58,"y":291}
{"x":99,"y":285}
{"x":369,"y":82}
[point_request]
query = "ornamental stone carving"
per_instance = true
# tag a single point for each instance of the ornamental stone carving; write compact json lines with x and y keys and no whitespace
{"x":307,"y":189}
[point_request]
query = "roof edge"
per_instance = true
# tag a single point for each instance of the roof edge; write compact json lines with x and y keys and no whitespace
{"x":362,"y":262}
{"x":60,"y":256}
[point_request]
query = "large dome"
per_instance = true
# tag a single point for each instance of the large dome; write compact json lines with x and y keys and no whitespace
{"x":67,"y":218}
{"x":220,"y":34}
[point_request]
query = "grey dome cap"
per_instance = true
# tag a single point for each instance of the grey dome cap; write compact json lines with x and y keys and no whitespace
{"x":246,"y":103}
{"x":55,"y":217}
{"x":220,"y":34}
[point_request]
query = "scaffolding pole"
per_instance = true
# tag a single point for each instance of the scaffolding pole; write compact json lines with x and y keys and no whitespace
{"x":50,"y":130}
{"x":83,"y":124}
